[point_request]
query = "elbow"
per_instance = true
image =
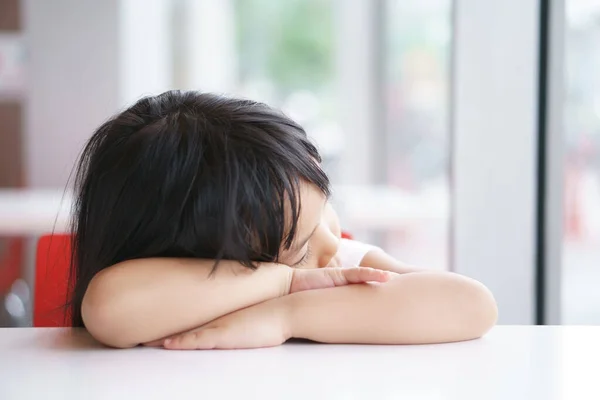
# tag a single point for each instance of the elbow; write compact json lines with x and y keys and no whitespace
{"x":480,"y":309}
{"x":102,"y":312}
{"x":453,"y":307}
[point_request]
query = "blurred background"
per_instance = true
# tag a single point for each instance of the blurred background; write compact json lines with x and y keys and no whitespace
{"x":377,"y":84}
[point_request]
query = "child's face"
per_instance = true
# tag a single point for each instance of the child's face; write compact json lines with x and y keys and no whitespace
{"x":318,"y":233}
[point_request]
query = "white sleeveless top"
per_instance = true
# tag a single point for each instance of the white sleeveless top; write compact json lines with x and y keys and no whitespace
{"x":351,"y":252}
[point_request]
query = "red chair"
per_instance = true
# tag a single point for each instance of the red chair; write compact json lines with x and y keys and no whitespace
{"x":51,"y":281}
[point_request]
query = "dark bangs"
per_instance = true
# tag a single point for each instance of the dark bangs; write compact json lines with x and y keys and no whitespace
{"x":277,"y":158}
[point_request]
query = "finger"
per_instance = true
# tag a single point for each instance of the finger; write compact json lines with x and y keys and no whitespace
{"x":363,"y":274}
{"x":202,"y":339}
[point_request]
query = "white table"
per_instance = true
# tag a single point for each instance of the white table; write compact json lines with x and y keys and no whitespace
{"x":511,"y":363}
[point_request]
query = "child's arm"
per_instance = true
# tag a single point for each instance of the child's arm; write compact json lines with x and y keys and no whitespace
{"x":431,"y":307}
{"x":142,"y":300}
{"x":409,"y":309}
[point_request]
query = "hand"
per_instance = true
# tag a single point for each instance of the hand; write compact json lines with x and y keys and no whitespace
{"x":321,"y":278}
{"x":262,"y":325}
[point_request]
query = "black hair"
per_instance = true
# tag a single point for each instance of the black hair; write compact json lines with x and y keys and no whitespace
{"x":189,"y":174}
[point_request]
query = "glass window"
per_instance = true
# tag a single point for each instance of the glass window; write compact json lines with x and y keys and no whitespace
{"x":581,"y":241}
{"x":285,"y":52}
{"x":417,"y":84}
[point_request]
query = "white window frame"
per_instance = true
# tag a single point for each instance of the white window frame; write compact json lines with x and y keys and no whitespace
{"x":495,"y":148}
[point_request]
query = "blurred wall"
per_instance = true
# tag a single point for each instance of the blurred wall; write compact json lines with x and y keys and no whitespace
{"x":11,"y":162}
{"x":10,"y":110}
{"x":87,"y":59}
{"x":72,"y":81}
{"x":11,"y":159}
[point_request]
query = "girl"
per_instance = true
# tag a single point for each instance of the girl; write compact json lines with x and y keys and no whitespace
{"x":202,"y":222}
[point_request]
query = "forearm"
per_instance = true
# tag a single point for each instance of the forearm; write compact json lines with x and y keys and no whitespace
{"x":410,"y":309}
{"x":143,"y":300}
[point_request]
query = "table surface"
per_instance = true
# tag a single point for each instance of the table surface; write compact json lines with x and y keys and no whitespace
{"x":510,"y":363}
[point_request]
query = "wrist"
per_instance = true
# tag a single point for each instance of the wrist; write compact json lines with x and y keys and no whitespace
{"x":286,"y":310}
{"x":295,"y":306}
{"x":287,"y":279}
{"x":280,"y":274}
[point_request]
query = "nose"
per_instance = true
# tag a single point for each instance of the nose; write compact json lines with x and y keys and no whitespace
{"x":328,"y":244}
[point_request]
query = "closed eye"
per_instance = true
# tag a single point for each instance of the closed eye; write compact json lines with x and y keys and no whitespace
{"x":304,"y":258}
